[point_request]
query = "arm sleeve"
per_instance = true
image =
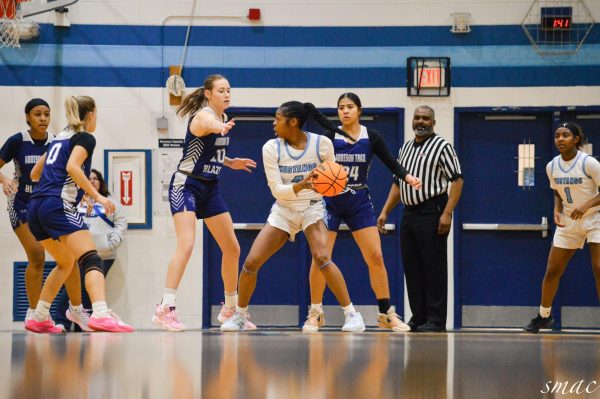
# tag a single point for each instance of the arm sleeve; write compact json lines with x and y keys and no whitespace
{"x":280,"y":190}
{"x":326,"y":152}
{"x":449,"y":163}
{"x":116,"y":236}
{"x":381,"y":150}
{"x":84,"y":140}
{"x":10,"y":149}
{"x":549,"y":173}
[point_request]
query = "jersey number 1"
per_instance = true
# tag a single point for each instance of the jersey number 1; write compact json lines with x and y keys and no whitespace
{"x":568,"y":194}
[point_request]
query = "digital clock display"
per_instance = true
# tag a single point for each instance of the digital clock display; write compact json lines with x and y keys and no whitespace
{"x":556,"y":23}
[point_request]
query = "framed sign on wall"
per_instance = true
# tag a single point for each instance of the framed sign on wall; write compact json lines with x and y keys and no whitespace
{"x":428,"y":76}
{"x":128,"y":175}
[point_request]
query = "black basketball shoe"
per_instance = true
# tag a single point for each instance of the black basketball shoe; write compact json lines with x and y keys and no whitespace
{"x":538,"y":323}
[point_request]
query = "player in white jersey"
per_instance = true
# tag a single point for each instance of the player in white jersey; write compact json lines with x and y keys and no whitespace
{"x":575,"y":178}
{"x":289,"y":160}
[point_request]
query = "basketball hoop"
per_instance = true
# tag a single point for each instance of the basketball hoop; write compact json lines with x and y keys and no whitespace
{"x":10,"y":23}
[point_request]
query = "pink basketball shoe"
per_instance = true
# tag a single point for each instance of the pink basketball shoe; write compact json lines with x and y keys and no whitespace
{"x":110,"y":323}
{"x":43,"y":327}
{"x":166,"y":318}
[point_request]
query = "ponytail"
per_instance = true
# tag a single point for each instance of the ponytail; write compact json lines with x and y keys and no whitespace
{"x":197,"y":100}
{"x":192,"y":103}
{"x":302,"y":111}
{"x":77,"y":109}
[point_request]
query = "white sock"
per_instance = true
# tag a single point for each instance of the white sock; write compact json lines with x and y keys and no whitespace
{"x":348,"y":309}
{"x":42,"y":311}
{"x":169,"y":297}
{"x":231,"y":299}
{"x":78,"y":308}
{"x":241,"y":310}
{"x":100,"y":309}
{"x":545,"y":312}
{"x":317,"y":307}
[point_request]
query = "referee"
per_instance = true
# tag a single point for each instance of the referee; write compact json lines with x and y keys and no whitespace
{"x":426,"y":220}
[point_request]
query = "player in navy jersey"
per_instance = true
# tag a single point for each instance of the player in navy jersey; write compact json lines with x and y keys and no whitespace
{"x":575,"y":178}
{"x":24,"y":149}
{"x":289,"y":161}
{"x":356,"y":209}
{"x":194,"y":194}
{"x":55,"y":222}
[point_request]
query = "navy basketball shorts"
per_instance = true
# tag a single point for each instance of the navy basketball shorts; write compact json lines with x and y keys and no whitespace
{"x":198,"y":196}
{"x":17,"y":212}
{"x":355,"y":209}
{"x":50,"y":217}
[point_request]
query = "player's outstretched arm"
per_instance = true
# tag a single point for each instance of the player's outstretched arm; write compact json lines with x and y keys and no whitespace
{"x":240,"y":164}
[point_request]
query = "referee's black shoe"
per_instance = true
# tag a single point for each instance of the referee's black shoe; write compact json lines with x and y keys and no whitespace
{"x":538,"y":323}
{"x":431,"y":327}
{"x":413,"y":326}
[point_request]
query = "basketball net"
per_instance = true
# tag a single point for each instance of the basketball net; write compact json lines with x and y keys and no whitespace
{"x":10,"y":22}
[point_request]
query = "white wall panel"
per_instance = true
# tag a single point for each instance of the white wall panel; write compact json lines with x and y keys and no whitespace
{"x":305,"y":13}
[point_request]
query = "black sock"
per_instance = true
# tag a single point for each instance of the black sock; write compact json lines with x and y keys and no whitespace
{"x":384,"y":305}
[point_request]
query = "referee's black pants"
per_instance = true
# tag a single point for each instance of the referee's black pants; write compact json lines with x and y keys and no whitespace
{"x":425,"y":260}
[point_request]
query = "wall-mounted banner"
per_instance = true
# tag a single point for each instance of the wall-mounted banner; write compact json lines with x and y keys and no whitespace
{"x":129,"y":178}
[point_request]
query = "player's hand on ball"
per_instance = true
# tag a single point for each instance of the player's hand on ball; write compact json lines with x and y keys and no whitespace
{"x":307,"y":183}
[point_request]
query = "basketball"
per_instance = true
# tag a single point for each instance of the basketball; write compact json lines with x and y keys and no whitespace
{"x":330,"y":178}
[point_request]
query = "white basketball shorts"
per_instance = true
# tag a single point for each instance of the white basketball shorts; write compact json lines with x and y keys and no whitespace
{"x":576,"y":232}
{"x":292,"y":221}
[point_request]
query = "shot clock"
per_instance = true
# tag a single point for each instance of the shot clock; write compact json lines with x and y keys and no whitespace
{"x":556,"y":19}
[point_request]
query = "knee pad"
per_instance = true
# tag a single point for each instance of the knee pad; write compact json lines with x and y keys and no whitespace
{"x":323,"y":266}
{"x":90,"y":261}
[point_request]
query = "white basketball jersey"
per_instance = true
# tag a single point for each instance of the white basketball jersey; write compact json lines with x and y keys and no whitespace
{"x":285,"y":166}
{"x":576,"y":181}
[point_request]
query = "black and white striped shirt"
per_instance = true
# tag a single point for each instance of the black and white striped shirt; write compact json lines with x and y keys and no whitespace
{"x":434,"y":161}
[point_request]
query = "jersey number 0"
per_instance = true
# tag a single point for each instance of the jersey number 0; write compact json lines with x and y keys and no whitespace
{"x":53,"y":153}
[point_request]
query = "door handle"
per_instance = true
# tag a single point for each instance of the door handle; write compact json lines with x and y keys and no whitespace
{"x":543,"y":227}
{"x":258,"y":226}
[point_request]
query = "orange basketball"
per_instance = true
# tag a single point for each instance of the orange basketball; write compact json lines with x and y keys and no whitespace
{"x":330,"y":178}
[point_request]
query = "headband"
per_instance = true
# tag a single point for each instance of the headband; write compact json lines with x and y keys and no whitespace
{"x":34,"y":103}
{"x":572,"y":127}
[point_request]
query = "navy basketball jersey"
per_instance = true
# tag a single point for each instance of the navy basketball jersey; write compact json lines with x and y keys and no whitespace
{"x":24,"y":152}
{"x":354,"y":157}
{"x":55,"y":180}
{"x":203,"y":157}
